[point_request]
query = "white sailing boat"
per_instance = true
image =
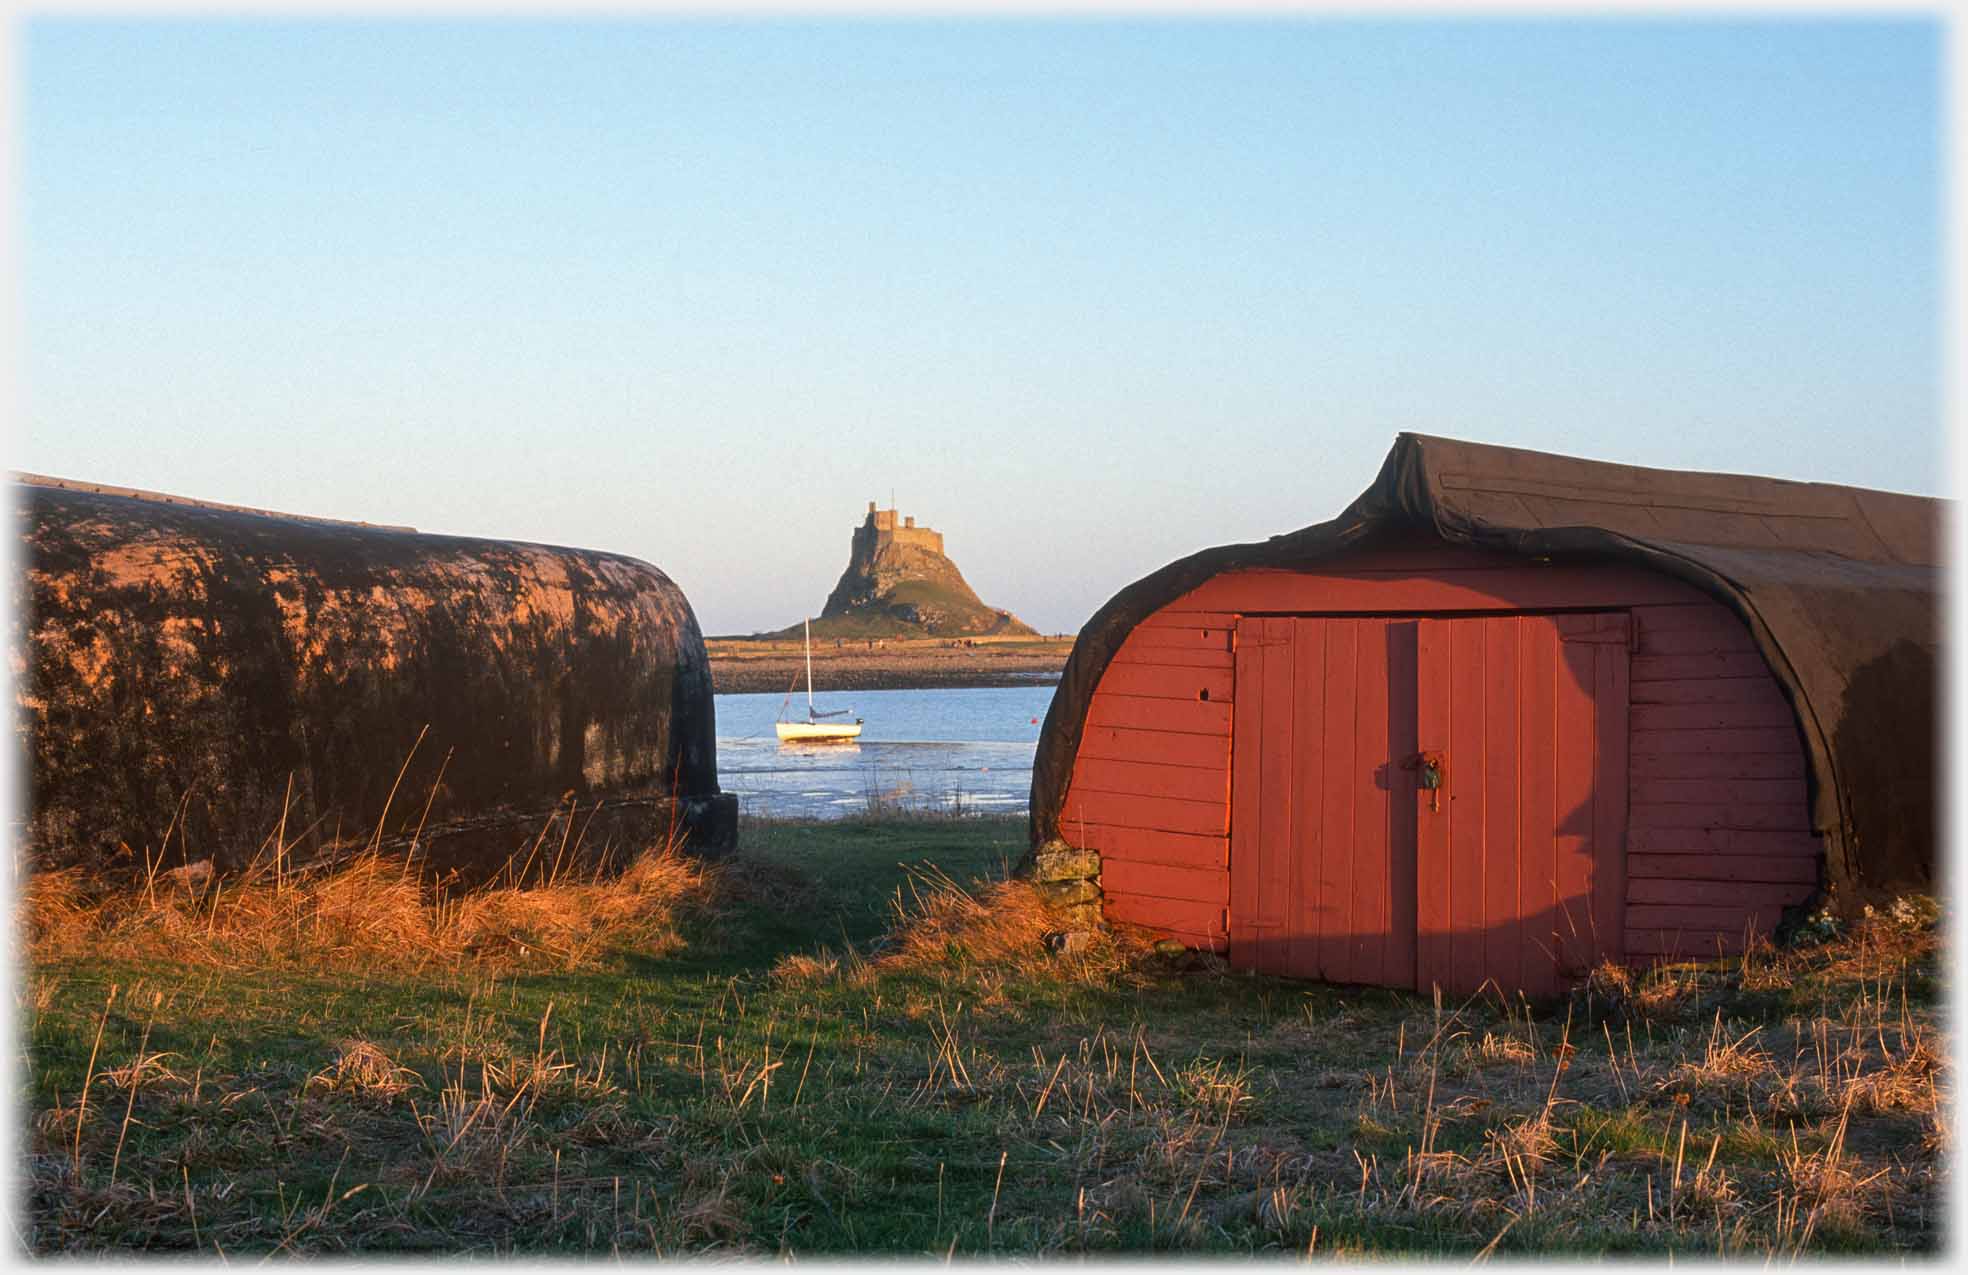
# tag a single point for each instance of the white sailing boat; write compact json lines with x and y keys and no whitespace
{"x":813,"y":730}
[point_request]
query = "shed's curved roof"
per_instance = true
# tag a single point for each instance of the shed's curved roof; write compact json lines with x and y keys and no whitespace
{"x":1840,"y":587}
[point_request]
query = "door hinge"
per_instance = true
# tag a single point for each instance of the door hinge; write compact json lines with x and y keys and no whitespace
{"x":1243,"y":634}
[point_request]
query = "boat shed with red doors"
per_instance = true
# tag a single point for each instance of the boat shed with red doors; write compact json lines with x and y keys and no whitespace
{"x":1509,"y":715}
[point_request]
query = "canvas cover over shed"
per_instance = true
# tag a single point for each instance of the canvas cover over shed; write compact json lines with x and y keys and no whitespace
{"x":1835,"y":588}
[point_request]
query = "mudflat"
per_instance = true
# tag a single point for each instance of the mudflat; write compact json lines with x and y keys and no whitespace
{"x":741,"y":665}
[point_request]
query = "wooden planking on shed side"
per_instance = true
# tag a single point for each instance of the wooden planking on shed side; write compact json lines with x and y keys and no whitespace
{"x":1663,"y":890}
{"x":1731,"y":916}
{"x":1151,"y":783}
{"x":1722,"y":743}
{"x":1789,"y":817}
{"x":1147,"y":712}
{"x":1168,"y":681}
{"x":1719,"y":838}
{"x":1178,"y":849}
{"x":1654,"y":718}
{"x":1747,"y":790}
{"x":1709,"y":690}
{"x":1703,"y":641}
{"x":1195,"y":923}
{"x":1151,"y":811}
{"x":1164,"y":645}
{"x":1187,"y":655}
{"x":1721,"y":841}
{"x":1703,"y":868}
{"x":1186,"y":629}
{"x":1612,"y":805}
{"x":1701,"y":666}
{"x":1179,"y":615}
{"x":1186,"y":783}
{"x":1167,"y":748}
{"x":1681,"y":941}
{"x":1655,"y":767}
{"x":1165,"y":881}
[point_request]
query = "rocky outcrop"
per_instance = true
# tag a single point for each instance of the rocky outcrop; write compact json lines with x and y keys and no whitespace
{"x":899,"y":583}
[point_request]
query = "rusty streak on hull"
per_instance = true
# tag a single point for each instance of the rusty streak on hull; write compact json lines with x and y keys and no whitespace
{"x":181,"y":654}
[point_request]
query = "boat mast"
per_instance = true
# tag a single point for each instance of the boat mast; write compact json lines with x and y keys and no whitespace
{"x":808,"y":626}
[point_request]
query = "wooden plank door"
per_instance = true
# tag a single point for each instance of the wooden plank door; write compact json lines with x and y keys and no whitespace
{"x":1520,"y":863}
{"x":1322,"y":823}
{"x":1261,"y":757}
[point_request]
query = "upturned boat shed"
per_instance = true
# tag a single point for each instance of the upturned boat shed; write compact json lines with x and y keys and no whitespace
{"x":205,"y":681}
{"x":1509,"y":715}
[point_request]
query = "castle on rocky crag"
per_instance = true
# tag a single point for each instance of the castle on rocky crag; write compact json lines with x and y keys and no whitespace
{"x":900,"y":583}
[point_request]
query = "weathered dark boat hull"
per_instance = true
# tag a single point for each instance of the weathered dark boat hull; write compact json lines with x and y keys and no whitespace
{"x":224,"y":674}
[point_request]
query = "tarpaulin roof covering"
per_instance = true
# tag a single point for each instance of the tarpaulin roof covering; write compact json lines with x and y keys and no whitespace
{"x":1840,"y":587}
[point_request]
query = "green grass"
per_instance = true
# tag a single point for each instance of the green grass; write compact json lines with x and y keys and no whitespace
{"x":949,"y":612}
{"x":701,"y":1100}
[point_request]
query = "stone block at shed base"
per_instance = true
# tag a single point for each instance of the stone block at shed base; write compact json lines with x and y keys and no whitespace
{"x":1076,"y":902}
{"x":1068,"y":880}
{"x":1060,"y":862}
{"x":1066,"y":894}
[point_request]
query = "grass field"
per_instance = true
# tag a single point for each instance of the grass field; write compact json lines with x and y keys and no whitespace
{"x":829,"y":1045}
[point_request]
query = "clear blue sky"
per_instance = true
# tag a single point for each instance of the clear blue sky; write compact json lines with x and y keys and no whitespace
{"x":1085,"y":295}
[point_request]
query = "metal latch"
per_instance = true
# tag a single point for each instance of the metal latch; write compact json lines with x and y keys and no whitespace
{"x":1430,"y":768}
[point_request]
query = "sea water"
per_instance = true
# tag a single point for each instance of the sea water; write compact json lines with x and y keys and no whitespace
{"x":919,"y":750}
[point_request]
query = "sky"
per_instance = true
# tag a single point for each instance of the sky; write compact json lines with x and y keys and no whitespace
{"x":1085,"y":295}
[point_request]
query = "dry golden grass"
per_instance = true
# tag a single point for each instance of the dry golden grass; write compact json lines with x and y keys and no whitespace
{"x":963,"y":1085}
{"x":362,"y":1068}
{"x":1001,"y":927}
{"x":1505,"y":1048}
{"x":1907,"y":1079}
{"x":1826,"y":1185}
{"x":938,"y":922}
{"x":798,"y":967}
{"x":53,"y":908}
{"x":1727,"y":1060}
{"x":370,"y":909}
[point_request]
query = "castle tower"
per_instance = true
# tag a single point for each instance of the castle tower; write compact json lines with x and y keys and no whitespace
{"x":888,"y":527}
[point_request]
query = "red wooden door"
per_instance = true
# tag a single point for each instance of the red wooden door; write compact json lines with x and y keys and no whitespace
{"x":1322,"y":821}
{"x":1521,"y":869}
{"x":1343,"y":869}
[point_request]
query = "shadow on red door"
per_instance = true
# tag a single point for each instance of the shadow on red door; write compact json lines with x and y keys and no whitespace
{"x":1345,"y":867}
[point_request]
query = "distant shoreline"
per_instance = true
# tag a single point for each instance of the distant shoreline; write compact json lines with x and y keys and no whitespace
{"x":743,"y":665}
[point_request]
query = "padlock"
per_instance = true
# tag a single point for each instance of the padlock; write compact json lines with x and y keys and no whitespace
{"x":1429,"y":767}
{"x":1431,"y":779}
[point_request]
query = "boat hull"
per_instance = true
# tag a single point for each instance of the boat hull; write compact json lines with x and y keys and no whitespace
{"x":816,"y":732}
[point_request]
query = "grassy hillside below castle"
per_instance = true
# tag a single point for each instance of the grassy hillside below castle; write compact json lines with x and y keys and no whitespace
{"x":913,"y":609}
